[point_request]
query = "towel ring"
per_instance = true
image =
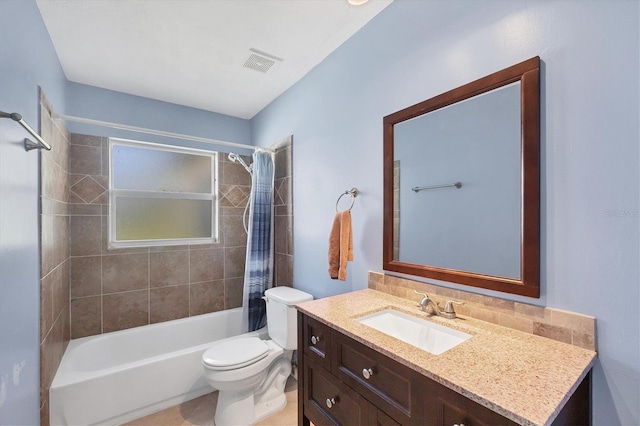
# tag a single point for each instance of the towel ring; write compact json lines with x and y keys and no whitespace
{"x":353,"y":192}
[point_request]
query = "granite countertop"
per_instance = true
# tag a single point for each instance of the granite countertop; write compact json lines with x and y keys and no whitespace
{"x":523,"y":377}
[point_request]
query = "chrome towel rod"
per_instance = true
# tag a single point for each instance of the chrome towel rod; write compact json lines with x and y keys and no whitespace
{"x":28,"y":144}
{"x":420,"y":188}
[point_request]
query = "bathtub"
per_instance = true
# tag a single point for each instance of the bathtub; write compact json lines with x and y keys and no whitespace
{"x":117,"y":377}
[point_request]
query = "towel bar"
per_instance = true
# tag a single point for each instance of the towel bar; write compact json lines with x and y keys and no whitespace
{"x":353,"y":192}
{"x":421,"y":188}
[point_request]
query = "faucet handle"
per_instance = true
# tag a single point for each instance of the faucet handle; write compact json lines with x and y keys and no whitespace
{"x":423,"y":304}
{"x":448,"y":307}
{"x":425,"y":298}
{"x":421,"y":294}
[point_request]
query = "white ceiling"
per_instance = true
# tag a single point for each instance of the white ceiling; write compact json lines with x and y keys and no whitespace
{"x":191,"y":52}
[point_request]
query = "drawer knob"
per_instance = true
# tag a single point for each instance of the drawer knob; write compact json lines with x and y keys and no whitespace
{"x":461,"y":424}
{"x":315,"y":340}
{"x":367,"y":373}
{"x":331,"y":402}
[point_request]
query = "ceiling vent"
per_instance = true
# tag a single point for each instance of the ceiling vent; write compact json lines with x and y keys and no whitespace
{"x":260,"y":61}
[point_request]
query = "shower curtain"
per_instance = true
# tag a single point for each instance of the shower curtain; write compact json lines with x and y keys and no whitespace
{"x":258,"y":275}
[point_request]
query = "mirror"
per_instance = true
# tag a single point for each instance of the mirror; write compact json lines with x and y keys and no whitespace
{"x":461,"y":184}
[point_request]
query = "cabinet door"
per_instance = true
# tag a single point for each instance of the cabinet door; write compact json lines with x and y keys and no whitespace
{"x":327,"y":401}
{"x":577,"y":411}
{"x":316,"y":341}
{"x":389,"y":385}
{"x":455,"y":409}
{"x":384,"y":420}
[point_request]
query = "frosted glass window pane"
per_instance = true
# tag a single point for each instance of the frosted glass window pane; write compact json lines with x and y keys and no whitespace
{"x":159,"y":170}
{"x":161,"y":218}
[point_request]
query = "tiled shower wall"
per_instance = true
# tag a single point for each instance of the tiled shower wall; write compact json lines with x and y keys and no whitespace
{"x":54,"y":259}
{"x":115,"y":289}
{"x":88,"y":289}
{"x":283,"y":208}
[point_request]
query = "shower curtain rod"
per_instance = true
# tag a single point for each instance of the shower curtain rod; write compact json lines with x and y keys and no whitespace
{"x":28,"y":143}
{"x":155,"y":132}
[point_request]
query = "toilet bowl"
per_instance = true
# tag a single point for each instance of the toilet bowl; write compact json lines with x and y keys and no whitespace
{"x":249,"y":373}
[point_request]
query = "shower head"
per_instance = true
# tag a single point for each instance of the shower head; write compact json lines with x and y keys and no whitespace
{"x":235,"y":158}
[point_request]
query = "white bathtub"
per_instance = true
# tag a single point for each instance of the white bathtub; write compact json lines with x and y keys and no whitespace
{"x":116,"y":377}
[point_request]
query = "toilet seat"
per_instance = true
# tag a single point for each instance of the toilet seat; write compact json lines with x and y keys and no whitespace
{"x":234,"y":354}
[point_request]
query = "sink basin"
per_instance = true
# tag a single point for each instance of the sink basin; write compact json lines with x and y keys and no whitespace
{"x":426,"y":335}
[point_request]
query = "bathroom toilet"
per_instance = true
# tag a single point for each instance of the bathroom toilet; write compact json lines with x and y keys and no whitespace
{"x":251,"y":373}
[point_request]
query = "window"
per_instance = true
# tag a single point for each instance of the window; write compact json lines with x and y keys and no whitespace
{"x":161,"y":195}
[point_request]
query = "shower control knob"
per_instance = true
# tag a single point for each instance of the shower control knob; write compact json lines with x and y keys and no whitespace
{"x":367,"y":373}
{"x":315,"y":340}
{"x":331,"y":402}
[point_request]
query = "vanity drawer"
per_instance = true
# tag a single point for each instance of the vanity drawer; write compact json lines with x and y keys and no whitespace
{"x":389,"y":385}
{"x":329,"y":401}
{"x":316,"y":338}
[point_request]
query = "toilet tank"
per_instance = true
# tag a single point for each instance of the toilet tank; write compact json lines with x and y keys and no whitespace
{"x":282,"y":315}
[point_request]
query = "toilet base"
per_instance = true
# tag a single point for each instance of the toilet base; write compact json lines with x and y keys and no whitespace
{"x":266,"y":409}
{"x":249,"y":406}
{"x":233,"y":409}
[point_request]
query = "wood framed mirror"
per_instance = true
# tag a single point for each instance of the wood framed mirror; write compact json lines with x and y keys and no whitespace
{"x":462,"y":184}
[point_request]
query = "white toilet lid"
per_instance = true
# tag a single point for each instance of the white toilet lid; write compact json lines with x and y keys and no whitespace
{"x":235,"y":353}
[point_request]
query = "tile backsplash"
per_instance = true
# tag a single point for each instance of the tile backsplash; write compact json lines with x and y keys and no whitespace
{"x":568,"y":327}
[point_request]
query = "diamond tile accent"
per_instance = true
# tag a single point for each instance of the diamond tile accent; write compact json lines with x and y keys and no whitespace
{"x":237,"y":196}
{"x":277,"y":198}
{"x":281,"y":191}
{"x":87,"y":189}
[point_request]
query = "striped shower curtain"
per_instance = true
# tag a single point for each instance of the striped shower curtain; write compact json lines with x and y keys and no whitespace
{"x":258,"y":275}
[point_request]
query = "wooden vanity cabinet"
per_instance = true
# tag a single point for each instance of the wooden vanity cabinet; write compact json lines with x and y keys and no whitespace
{"x":343,"y":382}
{"x":455,"y":409}
{"x":392,"y":387}
{"x":329,"y":401}
{"x":332,"y":370}
{"x":316,"y":340}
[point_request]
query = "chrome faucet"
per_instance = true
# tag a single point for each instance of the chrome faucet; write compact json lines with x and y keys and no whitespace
{"x":429,"y":306}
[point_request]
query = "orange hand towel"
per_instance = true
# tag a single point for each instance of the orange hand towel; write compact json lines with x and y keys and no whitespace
{"x":340,"y":245}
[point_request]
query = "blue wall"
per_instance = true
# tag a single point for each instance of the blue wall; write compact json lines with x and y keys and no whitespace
{"x":107,"y":105}
{"x":27,"y":59}
{"x":414,"y":50}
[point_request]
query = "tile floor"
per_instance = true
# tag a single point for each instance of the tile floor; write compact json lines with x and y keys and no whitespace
{"x":200,"y":411}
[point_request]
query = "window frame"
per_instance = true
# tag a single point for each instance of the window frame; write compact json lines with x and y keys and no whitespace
{"x":135,"y":193}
